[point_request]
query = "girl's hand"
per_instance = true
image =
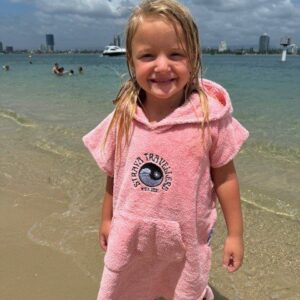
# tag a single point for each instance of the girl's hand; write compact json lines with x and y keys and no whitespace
{"x":233,"y":253}
{"x":103,"y":234}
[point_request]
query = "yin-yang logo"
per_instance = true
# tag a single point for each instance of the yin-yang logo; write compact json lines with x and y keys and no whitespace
{"x":151,"y":175}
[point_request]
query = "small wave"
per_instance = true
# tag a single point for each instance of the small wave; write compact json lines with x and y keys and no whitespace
{"x":55,"y":149}
{"x":270,"y":210}
{"x":20,"y":120}
{"x":67,"y":233}
{"x":281,"y":153}
{"x":38,"y":234}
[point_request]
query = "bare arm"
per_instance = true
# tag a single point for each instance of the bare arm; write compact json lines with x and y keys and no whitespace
{"x":106,"y":213}
{"x":227,"y":188}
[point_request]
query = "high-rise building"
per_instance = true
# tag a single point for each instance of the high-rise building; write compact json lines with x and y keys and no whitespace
{"x":264,"y":43}
{"x":222,"y":46}
{"x":50,"y":42}
{"x":1,"y":47}
{"x":9,"y":49}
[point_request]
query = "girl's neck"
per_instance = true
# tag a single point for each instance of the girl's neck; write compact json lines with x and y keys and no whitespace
{"x":156,"y":110}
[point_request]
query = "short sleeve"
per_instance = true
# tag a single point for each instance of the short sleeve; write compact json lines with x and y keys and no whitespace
{"x":228,"y":136}
{"x":104,"y":154}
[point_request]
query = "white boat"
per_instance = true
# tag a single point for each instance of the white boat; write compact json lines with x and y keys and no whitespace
{"x":113,"y":51}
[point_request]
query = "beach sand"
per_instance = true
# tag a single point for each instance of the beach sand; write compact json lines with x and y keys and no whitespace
{"x":37,"y":270}
{"x":31,"y":271}
{"x":271,"y":266}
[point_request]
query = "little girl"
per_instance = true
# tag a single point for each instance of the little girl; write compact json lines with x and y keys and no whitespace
{"x":167,"y":150}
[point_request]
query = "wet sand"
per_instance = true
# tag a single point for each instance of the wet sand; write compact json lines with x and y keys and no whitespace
{"x":271,"y":268}
{"x":31,"y":271}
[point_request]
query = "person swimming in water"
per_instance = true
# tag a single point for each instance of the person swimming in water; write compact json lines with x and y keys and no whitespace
{"x":55,"y":69}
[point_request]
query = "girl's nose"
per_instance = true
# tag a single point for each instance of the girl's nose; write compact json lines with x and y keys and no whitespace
{"x":162,"y":64}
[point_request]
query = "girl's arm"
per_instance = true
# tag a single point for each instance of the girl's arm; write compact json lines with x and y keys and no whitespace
{"x":106,"y":214}
{"x":226,"y":186}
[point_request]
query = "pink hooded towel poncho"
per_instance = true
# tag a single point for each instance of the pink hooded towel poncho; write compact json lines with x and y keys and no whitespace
{"x":163,"y":199}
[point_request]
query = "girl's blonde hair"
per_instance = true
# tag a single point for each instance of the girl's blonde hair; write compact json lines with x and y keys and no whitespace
{"x":130,"y":93}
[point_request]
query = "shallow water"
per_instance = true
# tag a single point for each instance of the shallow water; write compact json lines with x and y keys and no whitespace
{"x":43,"y":118}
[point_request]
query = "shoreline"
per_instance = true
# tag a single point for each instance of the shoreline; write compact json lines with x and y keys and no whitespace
{"x":31,"y":271}
{"x":96,"y":53}
{"x":271,"y":262}
{"x":35,"y":271}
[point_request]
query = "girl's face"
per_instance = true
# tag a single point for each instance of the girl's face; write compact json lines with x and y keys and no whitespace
{"x":159,"y":61}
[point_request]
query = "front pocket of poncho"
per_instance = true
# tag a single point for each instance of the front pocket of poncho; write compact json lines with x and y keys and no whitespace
{"x":133,"y":238}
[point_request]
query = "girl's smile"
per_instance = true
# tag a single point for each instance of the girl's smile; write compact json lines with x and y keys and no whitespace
{"x":159,"y":62}
{"x":162,"y":83}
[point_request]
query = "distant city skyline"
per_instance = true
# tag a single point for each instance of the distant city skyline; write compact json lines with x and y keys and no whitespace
{"x":93,"y":24}
{"x":262,"y":46}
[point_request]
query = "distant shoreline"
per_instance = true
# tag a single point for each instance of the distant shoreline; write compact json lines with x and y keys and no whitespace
{"x":99,"y":53}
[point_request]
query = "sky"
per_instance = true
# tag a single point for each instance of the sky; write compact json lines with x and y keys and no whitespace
{"x":92,"y":24}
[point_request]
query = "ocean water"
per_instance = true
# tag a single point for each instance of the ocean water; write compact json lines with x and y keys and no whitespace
{"x":43,"y":117}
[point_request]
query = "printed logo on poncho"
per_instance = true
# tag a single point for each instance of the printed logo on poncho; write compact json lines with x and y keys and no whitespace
{"x":151,"y":173}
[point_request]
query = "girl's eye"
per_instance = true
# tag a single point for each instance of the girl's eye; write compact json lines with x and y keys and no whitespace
{"x":177,"y":55}
{"x":146,"y":57}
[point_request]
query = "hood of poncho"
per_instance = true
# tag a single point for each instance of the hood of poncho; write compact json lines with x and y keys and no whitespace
{"x":219,"y":105}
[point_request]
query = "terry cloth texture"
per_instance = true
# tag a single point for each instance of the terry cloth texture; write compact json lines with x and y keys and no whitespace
{"x":163,"y":199}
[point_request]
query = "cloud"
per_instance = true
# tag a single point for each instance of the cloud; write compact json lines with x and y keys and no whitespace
{"x":245,"y":6}
{"x":241,"y":22}
{"x":83,"y":23}
{"x":91,"y":8}
{"x":24,"y":1}
{"x":74,"y":23}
